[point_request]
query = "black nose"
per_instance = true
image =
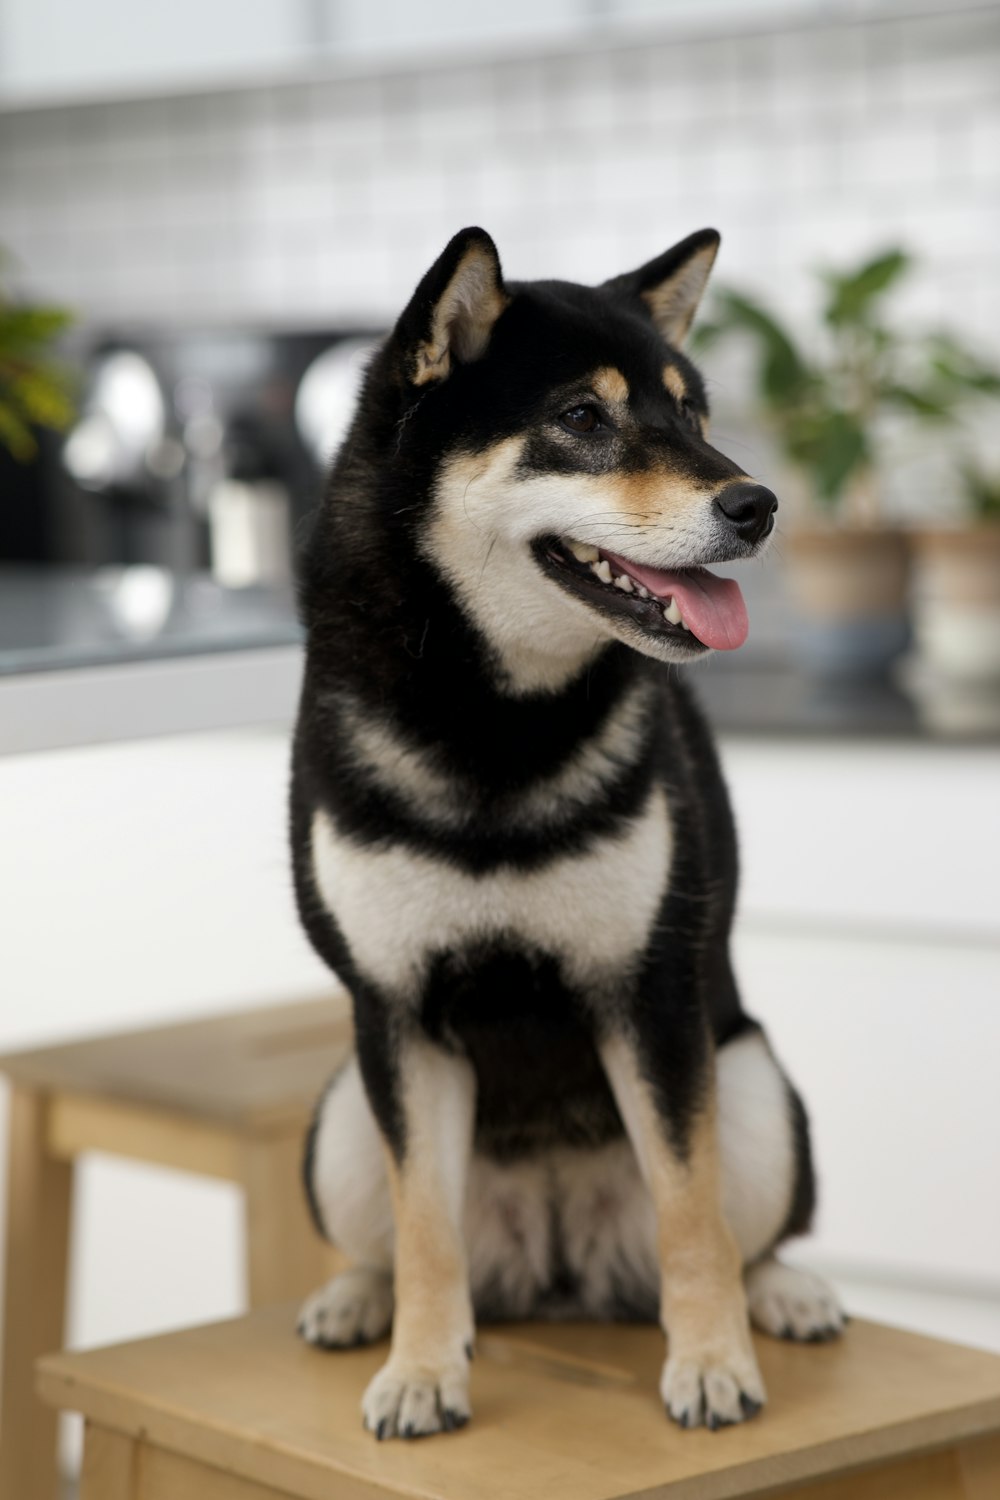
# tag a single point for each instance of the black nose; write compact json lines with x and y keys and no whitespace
{"x":748,"y":509}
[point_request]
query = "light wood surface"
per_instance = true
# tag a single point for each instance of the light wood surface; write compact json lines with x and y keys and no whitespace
{"x":261,"y":1067}
{"x":285,"y":1253}
{"x":79,"y":1123}
{"x":230,"y":1097}
{"x":932,"y":1476}
{"x":979,"y":1466}
{"x":110,"y":1463}
{"x":560,"y":1411}
{"x":38,"y":1209}
{"x":167,"y":1476}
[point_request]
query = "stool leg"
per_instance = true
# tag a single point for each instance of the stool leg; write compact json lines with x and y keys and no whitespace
{"x":109,"y":1465}
{"x":286,"y":1255}
{"x":37,"y":1232}
{"x":979,"y":1463}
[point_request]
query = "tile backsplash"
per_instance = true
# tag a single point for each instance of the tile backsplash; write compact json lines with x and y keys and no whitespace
{"x":322,"y":201}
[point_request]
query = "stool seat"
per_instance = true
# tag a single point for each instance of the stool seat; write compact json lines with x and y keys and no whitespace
{"x":253,"y":1067}
{"x":244,"y":1411}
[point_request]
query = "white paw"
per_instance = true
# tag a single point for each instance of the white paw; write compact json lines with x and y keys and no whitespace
{"x":354,"y":1308}
{"x":713,"y":1390}
{"x":414,"y":1401}
{"x":792,"y":1304}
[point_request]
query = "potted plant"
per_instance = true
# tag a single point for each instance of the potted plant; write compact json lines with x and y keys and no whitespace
{"x":35,"y":390}
{"x":957,"y":614}
{"x":826,"y":409}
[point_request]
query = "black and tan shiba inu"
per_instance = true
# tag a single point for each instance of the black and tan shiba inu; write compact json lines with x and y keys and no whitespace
{"x":513,"y":843}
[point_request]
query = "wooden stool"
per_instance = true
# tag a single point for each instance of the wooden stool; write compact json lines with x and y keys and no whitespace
{"x":245,"y":1411}
{"x":229,"y":1097}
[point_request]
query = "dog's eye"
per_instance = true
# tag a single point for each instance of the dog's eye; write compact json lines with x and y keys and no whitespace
{"x":581,"y":419}
{"x":690,"y":414}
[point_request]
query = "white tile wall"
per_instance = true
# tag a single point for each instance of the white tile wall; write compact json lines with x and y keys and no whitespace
{"x":323,"y":201}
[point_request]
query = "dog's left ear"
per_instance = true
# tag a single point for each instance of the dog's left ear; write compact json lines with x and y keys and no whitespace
{"x":671,"y":286}
{"x":451,"y":315}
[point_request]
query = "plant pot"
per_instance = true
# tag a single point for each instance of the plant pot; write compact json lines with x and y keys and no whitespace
{"x":957,"y":601}
{"x":850,"y":589}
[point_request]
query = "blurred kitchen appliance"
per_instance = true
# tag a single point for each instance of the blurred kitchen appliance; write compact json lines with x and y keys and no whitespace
{"x":200,"y":449}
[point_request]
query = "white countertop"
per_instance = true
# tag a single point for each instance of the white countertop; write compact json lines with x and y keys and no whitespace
{"x":135,"y":700}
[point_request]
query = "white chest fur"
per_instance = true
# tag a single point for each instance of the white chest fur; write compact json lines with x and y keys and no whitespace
{"x":592,"y":910}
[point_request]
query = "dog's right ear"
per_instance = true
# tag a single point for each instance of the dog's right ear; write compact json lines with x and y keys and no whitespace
{"x":451,"y":315}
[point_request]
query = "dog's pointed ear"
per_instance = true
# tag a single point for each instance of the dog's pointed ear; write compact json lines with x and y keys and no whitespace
{"x":451,"y":315}
{"x":671,"y":286}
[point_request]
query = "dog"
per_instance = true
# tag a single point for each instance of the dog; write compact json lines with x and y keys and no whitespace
{"x":511,"y":841}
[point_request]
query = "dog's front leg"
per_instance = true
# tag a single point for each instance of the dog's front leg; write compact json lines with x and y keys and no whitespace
{"x":424,"y":1385}
{"x":711,"y":1372}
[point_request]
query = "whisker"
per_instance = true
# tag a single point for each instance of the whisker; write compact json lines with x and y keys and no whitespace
{"x":489,"y":552}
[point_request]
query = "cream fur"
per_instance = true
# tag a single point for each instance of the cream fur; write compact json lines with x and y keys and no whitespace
{"x":594,"y":910}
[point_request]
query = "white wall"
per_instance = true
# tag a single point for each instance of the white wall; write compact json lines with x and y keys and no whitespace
{"x":808,"y":142}
{"x":47,"y":45}
{"x":869,"y":942}
{"x":141,"y":883}
{"x":145,"y":881}
{"x":324,"y":201}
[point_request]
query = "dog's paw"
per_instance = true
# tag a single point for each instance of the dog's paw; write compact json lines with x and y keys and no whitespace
{"x":354,"y":1308}
{"x":712,"y":1391}
{"x":414,"y":1401}
{"x":792,"y":1304}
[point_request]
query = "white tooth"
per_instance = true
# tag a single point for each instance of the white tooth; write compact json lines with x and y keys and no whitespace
{"x":583,"y":551}
{"x":642,"y":591}
{"x":672,"y":613}
{"x":685,"y":625}
{"x":624,"y":583}
{"x":603,"y":570}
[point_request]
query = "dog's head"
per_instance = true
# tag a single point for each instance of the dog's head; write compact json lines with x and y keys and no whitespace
{"x":566,"y":488}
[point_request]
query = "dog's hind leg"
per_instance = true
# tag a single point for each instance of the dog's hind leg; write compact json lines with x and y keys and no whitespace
{"x":791,"y":1303}
{"x":348,"y":1191}
{"x":353,"y":1308}
{"x":767,"y":1188}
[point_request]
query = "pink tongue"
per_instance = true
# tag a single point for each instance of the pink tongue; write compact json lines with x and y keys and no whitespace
{"x":712,"y":608}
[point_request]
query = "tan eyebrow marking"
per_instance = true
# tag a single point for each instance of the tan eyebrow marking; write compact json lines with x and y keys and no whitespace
{"x":674,"y":382}
{"x":610,"y":385}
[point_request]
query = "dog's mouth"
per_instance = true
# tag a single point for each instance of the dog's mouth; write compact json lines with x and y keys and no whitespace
{"x":689,"y":606}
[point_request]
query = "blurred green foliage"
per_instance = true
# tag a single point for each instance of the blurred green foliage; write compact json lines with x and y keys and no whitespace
{"x":35,"y":389}
{"x":983,"y":492}
{"x":824,"y":405}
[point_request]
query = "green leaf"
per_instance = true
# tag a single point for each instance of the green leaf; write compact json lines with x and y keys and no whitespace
{"x":42,"y":398}
{"x":35,"y":391}
{"x":921,"y":403}
{"x":983,"y":491}
{"x":23,"y":329}
{"x":831,"y":446}
{"x":706,"y":335}
{"x":782,"y":372}
{"x":15,"y":435}
{"x":957,"y":365}
{"x":852,"y":294}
